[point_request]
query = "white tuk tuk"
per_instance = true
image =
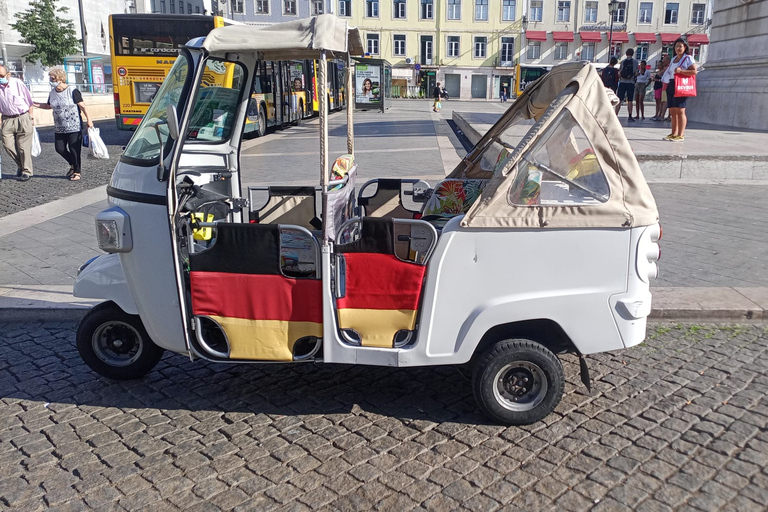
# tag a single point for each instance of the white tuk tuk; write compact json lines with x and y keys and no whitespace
{"x":530,"y":248}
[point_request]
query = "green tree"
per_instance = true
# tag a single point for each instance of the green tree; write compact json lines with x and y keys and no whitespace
{"x":54,"y":37}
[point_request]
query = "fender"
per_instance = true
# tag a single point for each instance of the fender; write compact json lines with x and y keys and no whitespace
{"x":103,"y":278}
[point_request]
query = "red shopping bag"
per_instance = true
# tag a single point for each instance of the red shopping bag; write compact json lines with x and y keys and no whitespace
{"x":685,"y":86}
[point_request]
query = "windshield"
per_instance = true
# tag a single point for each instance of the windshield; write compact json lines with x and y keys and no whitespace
{"x":221,"y":87}
{"x":144,"y":145}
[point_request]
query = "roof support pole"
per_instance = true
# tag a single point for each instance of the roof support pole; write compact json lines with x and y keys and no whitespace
{"x":322,"y":100}
{"x":349,"y":95}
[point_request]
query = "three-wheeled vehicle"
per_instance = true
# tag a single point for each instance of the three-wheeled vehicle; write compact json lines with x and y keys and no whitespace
{"x":528,"y":249}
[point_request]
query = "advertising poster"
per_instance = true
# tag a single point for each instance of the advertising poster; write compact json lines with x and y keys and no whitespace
{"x":367,"y":82}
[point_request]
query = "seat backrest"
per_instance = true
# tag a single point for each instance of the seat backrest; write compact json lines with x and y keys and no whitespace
{"x":454,"y":196}
{"x":386,"y":201}
{"x":287,"y":205}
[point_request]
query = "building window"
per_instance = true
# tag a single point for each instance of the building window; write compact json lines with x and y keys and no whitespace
{"x":621,"y":13}
{"x":181,"y":7}
{"x":426,"y":9}
{"x":454,"y":9}
{"x":371,"y":8}
{"x":590,"y":12}
{"x":481,"y":10}
{"x":399,"y":9}
{"x":237,"y":6}
{"x":197,"y":9}
{"x":289,"y":6}
{"x":507,"y":51}
{"x":697,"y":14}
{"x":667,"y":49}
{"x":670,"y":15}
{"x":453,"y":46}
{"x":317,"y":7}
{"x":172,"y":5}
{"x":262,"y":6}
{"x":534,"y":50}
{"x":372,"y":43}
{"x":508,"y":10}
{"x":641,"y":52}
{"x":696,"y":52}
{"x":345,"y":8}
{"x":561,"y":51}
{"x":480,"y":47}
{"x":189,"y":8}
{"x":588,"y":52}
{"x":646,"y":12}
{"x":616,"y":52}
{"x":537,"y":6}
{"x":162,"y":6}
{"x":399,"y":47}
{"x":564,"y":11}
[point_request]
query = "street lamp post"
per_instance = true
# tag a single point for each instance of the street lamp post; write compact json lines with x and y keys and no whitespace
{"x":613,"y":6}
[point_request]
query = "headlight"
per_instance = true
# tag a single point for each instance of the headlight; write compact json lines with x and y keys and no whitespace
{"x":113,"y":230}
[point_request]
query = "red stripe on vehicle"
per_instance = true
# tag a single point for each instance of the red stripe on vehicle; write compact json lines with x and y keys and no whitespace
{"x":381,"y":281}
{"x":256,"y":297}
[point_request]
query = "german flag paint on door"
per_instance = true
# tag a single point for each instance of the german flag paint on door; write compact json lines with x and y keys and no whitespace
{"x":238,"y":284}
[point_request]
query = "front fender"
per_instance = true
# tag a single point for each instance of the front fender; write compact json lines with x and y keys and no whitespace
{"x":104,"y":278}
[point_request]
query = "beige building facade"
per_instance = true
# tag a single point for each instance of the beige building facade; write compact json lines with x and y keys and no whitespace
{"x":474,"y":47}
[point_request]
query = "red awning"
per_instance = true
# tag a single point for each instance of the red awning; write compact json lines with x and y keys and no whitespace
{"x":695,"y":39}
{"x":590,"y":37}
{"x":667,"y":38}
{"x":536,"y":35}
{"x":619,"y":37}
{"x":562,"y":36}
{"x":645,"y":37}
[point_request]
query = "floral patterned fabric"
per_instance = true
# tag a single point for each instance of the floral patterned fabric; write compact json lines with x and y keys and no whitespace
{"x":453,"y":197}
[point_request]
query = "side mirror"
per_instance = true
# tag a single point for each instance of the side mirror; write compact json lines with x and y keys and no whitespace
{"x":173,"y":122}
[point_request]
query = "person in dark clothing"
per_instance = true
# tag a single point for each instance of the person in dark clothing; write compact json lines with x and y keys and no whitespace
{"x":437,"y":94}
{"x":610,"y":75}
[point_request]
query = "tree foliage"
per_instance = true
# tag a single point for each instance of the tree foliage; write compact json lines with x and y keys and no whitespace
{"x":54,"y":37}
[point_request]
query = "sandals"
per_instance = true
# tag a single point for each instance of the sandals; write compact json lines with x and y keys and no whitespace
{"x":75,"y":176}
{"x":70,"y":172}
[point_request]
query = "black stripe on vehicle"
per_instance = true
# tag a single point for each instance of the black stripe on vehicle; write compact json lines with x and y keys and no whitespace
{"x":136,"y":197}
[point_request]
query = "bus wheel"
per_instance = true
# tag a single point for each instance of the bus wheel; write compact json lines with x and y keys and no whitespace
{"x":262,"y":122}
{"x":518,"y":382}
{"x":115,"y":344}
{"x":300,"y":116}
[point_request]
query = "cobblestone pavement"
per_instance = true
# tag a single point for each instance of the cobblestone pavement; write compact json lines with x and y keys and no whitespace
{"x":49,"y":182}
{"x":678,"y":423}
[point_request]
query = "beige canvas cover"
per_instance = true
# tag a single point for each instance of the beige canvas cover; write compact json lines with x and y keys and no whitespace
{"x":300,"y":39}
{"x":630,"y":203}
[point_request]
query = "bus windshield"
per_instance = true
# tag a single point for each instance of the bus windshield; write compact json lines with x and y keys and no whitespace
{"x":144,"y":145}
{"x":150,"y":35}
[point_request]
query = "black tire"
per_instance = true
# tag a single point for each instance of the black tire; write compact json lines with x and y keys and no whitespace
{"x":300,"y":115}
{"x":262,"y":122}
{"x":115,"y":344}
{"x":518,"y":382}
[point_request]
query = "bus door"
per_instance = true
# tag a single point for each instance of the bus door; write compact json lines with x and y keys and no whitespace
{"x":299,"y":88}
{"x":287,"y":113}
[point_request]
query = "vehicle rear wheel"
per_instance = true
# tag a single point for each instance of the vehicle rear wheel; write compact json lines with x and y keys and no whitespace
{"x":115,"y":344}
{"x":299,"y":116}
{"x":518,"y":382}
{"x":262,"y":122}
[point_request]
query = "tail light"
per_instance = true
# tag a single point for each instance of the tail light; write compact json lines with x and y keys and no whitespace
{"x":117,"y":104}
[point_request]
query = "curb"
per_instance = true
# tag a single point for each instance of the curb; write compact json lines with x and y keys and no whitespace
{"x":10,"y":315}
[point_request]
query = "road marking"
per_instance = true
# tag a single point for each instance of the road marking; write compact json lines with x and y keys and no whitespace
{"x":39,"y":214}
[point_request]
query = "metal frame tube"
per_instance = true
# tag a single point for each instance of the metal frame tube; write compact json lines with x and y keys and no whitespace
{"x":322,"y":92}
{"x":350,"y":107}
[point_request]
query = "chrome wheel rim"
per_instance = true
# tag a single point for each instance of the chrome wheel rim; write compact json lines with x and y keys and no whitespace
{"x":520,"y":386}
{"x":117,"y":343}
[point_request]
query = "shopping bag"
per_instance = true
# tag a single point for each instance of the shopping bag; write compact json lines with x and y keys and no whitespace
{"x":36,"y":148}
{"x":98,"y":148}
{"x":685,"y":86}
{"x":86,"y":140}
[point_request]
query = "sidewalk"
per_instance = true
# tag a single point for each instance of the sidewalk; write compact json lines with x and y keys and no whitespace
{"x":42,"y":247}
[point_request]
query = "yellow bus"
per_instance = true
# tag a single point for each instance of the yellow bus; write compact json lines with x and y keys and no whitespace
{"x":143,"y":49}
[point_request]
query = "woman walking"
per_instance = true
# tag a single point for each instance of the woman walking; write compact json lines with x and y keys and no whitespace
{"x":681,"y":64}
{"x":437,"y":93}
{"x":67,"y":103}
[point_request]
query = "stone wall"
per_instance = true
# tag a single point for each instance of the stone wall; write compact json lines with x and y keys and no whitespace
{"x":733,"y":86}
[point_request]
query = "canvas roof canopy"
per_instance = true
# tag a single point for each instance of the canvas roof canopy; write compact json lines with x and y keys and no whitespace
{"x":299,"y":39}
{"x":576,"y":91}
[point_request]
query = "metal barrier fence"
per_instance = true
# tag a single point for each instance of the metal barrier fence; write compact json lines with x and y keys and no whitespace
{"x":39,"y":88}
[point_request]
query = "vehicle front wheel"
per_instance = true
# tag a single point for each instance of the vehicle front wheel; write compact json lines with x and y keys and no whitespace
{"x":115,"y":344}
{"x":518,"y":382}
